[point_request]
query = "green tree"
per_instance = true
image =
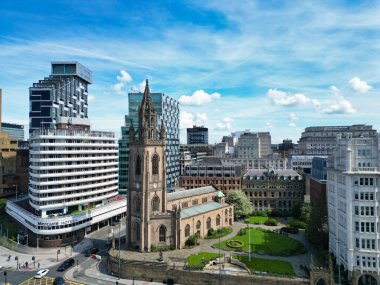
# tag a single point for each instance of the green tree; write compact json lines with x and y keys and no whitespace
{"x":316,"y":228}
{"x":240,"y":201}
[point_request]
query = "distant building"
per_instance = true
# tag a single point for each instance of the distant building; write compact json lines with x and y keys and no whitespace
{"x":185,"y":159}
{"x":197,"y":135}
{"x":300,"y":163}
{"x":285,"y":147}
{"x":353,"y":179}
{"x":63,"y":94}
{"x":15,"y":131}
{"x":254,"y":145}
{"x":211,"y":171}
{"x":322,"y":140}
{"x":168,"y":113}
{"x":273,"y":189}
{"x":270,"y":161}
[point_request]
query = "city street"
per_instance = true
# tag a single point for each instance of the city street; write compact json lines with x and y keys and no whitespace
{"x":96,"y":239}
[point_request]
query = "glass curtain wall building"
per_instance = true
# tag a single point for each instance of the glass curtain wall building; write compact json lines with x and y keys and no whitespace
{"x":167,"y":112}
{"x":61,"y":94}
{"x":15,"y":131}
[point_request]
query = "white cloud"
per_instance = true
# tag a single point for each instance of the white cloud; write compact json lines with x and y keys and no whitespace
{"x":91,"y":97}
{"x":186,"y":120}
{"x":292,"y":118}
{"x":118,"y":88}
{"x":359,"y":85}
{"x":198,"y":98}
{"x":278,"y":97}
{"x":269,"y":125}
{"x":339,"y":106}
{"x":225,"y":124}
{"x":125,"y":77}
{"x":201,"y":118}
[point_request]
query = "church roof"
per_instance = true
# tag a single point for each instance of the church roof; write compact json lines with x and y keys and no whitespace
{"x":190,"y":192}
{"x":200,"y":209}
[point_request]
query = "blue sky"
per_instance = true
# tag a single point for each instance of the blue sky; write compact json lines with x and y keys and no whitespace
{"x":276,"y":66}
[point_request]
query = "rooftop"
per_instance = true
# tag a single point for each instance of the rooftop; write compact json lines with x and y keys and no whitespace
{"x":190,"y":193}
{"x":265,"y":172}
{"x":203,"y":208}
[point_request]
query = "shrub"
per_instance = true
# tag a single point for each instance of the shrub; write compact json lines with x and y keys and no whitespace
{"x":192,"y":240}
{"x":243,"y":232}
{"x":271,"y":222}
{"x":234,"y":244}
{"x":290,"y":230}
{"x":259,"y":213}
{"x":210,"y":232}
{"x":297,"y":224}
{"x":154,"y":248}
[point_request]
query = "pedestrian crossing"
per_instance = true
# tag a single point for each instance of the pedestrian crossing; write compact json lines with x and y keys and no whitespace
{"x":46,"y":281}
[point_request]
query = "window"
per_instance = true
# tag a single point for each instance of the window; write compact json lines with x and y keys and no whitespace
{"x":208,"y":223}
{"x":204,"y":200}
{"x":187,"y":230}
{"x":218,"y":220}
{"x":137,"y":204}
{"x":138,"y":165}
{"x":198,"y":225}
{"x":156,"y":204}
{"x":155,"y":164}
{"x":162,"y":233}
{"x":185,"y":204}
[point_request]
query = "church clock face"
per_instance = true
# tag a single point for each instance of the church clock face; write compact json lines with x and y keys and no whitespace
{"x":137,"y":185}
{"x":155,"y":185}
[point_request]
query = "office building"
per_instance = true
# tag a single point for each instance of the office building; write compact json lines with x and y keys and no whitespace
{"x":274,"y":161}
{"x":211,"y":171}
{"x":273,"y":189}
{"x":353,"y":179}
{"x":15,"y":131}
{"x":64,"y":94}
{"x":73,"y":185}
{"x":197,"y":135}
{"x":167,"y":110}
{"x":254,"y":145}
{"x":322,"y":140}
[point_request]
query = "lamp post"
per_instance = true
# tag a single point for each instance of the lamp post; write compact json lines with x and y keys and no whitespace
{"x":119,"y":246}
{"x":249,"y":242}
{"x":16,"y":258}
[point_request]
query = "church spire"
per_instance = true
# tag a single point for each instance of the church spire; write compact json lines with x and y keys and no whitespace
{"x":147,"y":116}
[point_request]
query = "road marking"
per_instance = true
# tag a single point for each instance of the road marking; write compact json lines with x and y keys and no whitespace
{"x":45,"y":281}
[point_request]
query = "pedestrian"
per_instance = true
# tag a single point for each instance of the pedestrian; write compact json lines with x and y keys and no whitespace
{"x":26,"y":264}
{"x":38,"y":265}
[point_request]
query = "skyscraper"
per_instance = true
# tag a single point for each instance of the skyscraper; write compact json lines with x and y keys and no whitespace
{"x":167,"y":110}
{"x":197,"y":135}
{"x":61,"y":94}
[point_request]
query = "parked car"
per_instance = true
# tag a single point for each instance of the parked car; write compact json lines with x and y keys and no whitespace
{"x":41,"y":273}
{"x":109,"y":242}
{"x":87,"y":253}
{"x":59,"y":281}
{"x":66,"y":264}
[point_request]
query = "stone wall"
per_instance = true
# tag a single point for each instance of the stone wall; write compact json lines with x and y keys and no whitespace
{"x":160,"y":271}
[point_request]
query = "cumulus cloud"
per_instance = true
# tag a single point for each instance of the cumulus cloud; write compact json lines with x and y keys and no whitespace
{"x":186,"y":120}
{"x":199,"y":98}
{"x":124,"y":76}
{"x":292,"y":118}
{"x":118,"y":88}
{"x":91,"y":97}
{"x":359,"y":85}
{"x":201,"y":118}
{"x":269,"y":125}
{"x":225,"y":124}
{"x":281,"y":98}
{"x":339,"y":105}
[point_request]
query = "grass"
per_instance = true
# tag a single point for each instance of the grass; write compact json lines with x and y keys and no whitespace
{"x":256,"y":220}
{"x":266,"y":242}
{"x":271,"y":266}
{"x":198,"y":261}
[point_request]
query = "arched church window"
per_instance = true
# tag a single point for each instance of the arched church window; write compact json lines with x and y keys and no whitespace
{"x":198,"y":225}
{"x":137,"y":204}
{"x":225,"y":216}
{"x":155,"y":164}
{"x":162,"y":233}
{"x":209,"y":223}
{"x":136,"y":231}
{"x":138,"y":165}
{"x":187,"y":230}
{"x":156,"y":204}
{"x":218,"y":220}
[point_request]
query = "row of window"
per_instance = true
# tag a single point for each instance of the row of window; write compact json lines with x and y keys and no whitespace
{"x":365,"y":211}
{"x":365,"y":227}
{"x":365,"y":243}
{"x":273,"y":194}
{"x":364,"y":196}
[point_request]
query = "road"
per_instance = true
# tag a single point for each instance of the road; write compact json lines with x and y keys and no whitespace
{"x":98,"y":240}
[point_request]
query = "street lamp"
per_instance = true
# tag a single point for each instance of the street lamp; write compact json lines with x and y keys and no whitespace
{"x":249,"y":242}
{"x":16,"y":258}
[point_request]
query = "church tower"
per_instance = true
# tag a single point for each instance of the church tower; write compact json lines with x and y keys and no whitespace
{"x":147,"y":188}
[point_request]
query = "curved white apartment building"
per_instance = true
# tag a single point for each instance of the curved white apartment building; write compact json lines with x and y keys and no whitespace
{"x":354,"y":207}
{"x":73,"y":185}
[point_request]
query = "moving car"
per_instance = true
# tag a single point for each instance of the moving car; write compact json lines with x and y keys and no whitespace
{"x":87,"y":253}
{"x":41,"y":273}
{"x":59,"y":281}
{"x":66,"y":264}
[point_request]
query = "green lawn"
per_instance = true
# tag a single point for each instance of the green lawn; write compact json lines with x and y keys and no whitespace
{"x":267,"y":265}
{"x":256,"y":220}
{"x":266,"y":242}
{"x":219,"y":232}
{"x":195,"y":260}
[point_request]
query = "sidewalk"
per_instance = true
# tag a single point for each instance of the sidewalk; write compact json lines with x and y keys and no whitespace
{"x":44,"y":260}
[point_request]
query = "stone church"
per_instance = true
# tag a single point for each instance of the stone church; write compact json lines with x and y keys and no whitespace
{"x":155,"y":217}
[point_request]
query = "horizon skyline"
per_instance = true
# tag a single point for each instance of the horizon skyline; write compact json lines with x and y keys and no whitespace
{"x":277,"y":67}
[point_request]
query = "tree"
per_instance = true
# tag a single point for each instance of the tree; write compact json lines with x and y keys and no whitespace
{"x":316,"y":229}
{"x":240,"y":201}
